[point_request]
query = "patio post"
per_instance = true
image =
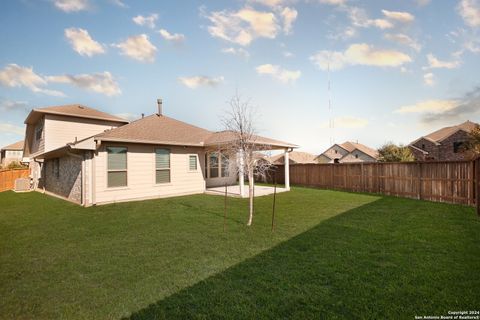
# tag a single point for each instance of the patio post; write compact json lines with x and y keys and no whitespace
{"x":287,"y":170}
{"x":241,"y":175}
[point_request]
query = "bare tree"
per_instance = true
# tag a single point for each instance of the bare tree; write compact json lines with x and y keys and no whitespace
{"x":239,"y":122}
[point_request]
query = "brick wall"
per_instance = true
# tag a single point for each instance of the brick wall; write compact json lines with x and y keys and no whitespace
{"x":444,"y":151}
{"x":68,"y":181}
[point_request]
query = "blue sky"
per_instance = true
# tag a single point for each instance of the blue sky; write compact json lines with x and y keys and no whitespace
{"x":398,"y":69}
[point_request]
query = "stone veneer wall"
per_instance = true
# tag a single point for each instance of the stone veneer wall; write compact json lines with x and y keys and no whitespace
{"x":68,"y":184}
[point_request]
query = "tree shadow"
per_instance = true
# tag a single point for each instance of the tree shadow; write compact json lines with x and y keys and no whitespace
{"x":369,"y":262}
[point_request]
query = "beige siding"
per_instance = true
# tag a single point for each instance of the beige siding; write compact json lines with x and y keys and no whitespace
{"x":37,"y":146}
{"x":60,"y":130}
{"x":335,"y":152}
{"x":141,"y":174}
{"x":362,"y":157}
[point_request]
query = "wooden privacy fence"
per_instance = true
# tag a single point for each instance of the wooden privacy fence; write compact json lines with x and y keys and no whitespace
{"x":452,"y":181}
{"x":8,"y":177}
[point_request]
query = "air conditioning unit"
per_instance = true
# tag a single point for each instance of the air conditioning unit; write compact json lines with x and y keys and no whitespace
{"x":22,"y":184}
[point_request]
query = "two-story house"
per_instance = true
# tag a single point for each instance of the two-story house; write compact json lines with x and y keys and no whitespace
{"x":90,"y":157}
{"x":11,"y":153}
{"x":348,"y":152}
{"x":445,"y":144}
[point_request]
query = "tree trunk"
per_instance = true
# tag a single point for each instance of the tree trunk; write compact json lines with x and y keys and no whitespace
{"x":250,"y":197}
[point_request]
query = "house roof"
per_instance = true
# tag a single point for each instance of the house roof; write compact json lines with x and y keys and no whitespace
{"x":446,"y":132}
{"x":72,"y":110}
{"x":160,"y":129}
{"x":14,"y":146}
{"x":295,"y":156}
{"x":351,"y":146}
{"x":227,"y":136}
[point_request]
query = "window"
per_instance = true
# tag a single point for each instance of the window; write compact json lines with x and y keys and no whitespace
{"x":336,"y":151}
{"x":224,"y":165}
{"x":457,"y":147}
{"x":423,"y":146}
{"x":213,"y":163}
{"x":162,"y":166}
{"x":192,"y":162}
{"x":356,"y":156}
{"x":117,"y":167}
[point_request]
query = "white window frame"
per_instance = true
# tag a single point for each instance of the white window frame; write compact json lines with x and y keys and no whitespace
{"x":163,"y":169}
{"x":196,"y":162}
{"x":117,"y":170}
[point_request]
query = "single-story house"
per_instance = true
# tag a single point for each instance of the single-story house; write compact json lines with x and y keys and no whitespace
{"x":90,"y":157}
{"x":295,"y":157}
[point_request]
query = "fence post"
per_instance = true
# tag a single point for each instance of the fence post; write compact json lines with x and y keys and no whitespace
{"x":419,"y":192}
{"x":477,"y":185}
{"x":362,"y":178}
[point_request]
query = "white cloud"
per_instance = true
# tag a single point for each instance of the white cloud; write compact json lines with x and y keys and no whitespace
{"x":404,"y":40}
{"x":434,"y":63}
{"x":119,"y":3}
{"x":103,"y":82}
{"x":270,"y":3}
{"x":128,"y":116}
{"x":82,"y":43}
{"x":289,"y":16}
{"x":333,"y":2}
{"x":10,"y":128}
{"x":347,"y":123}
{"x":469,"y":10}
{"x":429,"y":79}
{"x":8,"y":105}
{"x":148,"y":21}
{"x":72,"y":5}
{"x":429,"y":106}
{"x":236,"y":51}
{"x":139,"y":48}
{"x":381,"y":23}
{"x":279,"y":73}
{"x":14,"y":75}
{"x":399,"y":16}
{"x":359,"y":54}
{"x":359,"y":18}
{"x":176,"y":37}
{"x":200,"y":81}
{"x":247,"y":24}
{"x":423,"y":2}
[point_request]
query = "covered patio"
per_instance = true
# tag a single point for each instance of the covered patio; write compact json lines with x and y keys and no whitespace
{"x":236,"y":191}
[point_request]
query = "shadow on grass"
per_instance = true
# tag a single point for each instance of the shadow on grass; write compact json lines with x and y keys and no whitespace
{"x":370,"y":262}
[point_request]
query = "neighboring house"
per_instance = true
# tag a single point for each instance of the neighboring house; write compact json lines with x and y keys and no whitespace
{"x":295,"y":157}
{"x":348,"y":152}
{"x":445,"y":144}
{"x":90,"y":157}
{"x":11,"y":153}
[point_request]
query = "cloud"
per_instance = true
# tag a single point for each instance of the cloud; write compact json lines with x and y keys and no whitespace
{"x":103,"y":82}
{"x":346,"y":122}
{"x":359,"y":18}
{"x":423,"y":2}
{"x":404,"y":40}
{"x":449,"y":110}
{"x":237,"y":52}
{"x":10,"y":128}
{"x":200,"y":81}
{"x":289,"y":16}
{"x":14,"y":75}
{"x":128,"y":116}
{"x":429,"y":79}
{"x":247,"y":24}
{"x":176,"y":37}
{"x":359,"y":54}
{"x":138,"y":47}
{"x":82,"y":43}
{"x":468,"y":39}
{"x":399,"y":16}
{"x":469,"y":10}
{"x":430,"y":106}
{"x":434,"y":63}
{"x":9,"y":106}
{"x":279,"y":73}
{"x":148,"y":21}
{"x":119,"y":3}
{"x":333,"y":2}
{"x":72,"y":5}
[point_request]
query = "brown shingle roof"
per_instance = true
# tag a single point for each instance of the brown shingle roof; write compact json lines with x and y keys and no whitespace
{"x":74,"y":110}
{"x":444,"y":133}
{"x":294,"y":156}
{"x":14,"y":146}
{"x":160,"y":129}
{"x":224,"y":137}
{"x":350,"y":146}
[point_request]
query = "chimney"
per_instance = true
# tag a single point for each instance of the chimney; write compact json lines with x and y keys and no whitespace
{"x":159,"y":105}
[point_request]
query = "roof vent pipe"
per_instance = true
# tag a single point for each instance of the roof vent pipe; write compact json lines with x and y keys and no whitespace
{"x":159,"y":105}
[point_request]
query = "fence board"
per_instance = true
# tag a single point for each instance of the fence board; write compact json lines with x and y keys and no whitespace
{"x":8,"y":177}
{"x":449,"y":181}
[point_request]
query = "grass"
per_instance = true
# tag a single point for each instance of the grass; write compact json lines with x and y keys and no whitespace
{"x":333,"y":255}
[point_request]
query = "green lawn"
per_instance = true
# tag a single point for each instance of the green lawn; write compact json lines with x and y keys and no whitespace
{"x":332,"y":255}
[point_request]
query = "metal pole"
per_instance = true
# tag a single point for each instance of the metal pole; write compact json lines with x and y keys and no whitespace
{"x":274,"y":199}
